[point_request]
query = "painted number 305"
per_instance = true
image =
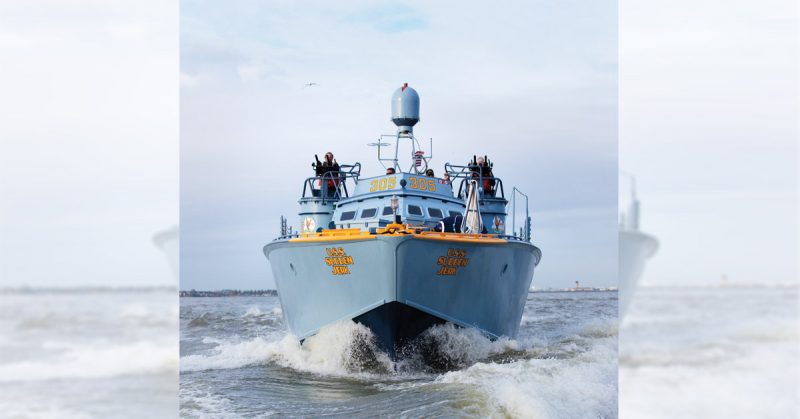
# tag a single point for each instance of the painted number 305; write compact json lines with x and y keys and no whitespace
{"x":382,"y":184}
{"x":422,"y":184}
{"x":390,"y":183}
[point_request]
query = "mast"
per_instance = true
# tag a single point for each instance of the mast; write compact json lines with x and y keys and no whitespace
{"x":405,"y":114}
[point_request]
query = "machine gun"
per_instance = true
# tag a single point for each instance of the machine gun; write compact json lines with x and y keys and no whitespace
{"x":319,"y":169}
{"x":474,"y":162}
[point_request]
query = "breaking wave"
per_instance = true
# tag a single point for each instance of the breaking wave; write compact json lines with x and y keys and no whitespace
{"x":347,"y":348}
{"x":80,"y":361}
{"x":547,"y":387}
{"x":339,"y":349}
{"x":253,"y":312}
{"x":564,"y":364}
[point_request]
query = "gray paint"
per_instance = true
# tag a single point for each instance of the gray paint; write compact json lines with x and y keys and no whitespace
{"x":489,"y":293}
{"x":405,"y":109}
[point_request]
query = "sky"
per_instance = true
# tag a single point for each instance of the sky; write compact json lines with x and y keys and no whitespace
{"x":709,"y":125}
{"x":89,"y":127}
{"x":88,"y":142}
{"x":531,"y":84}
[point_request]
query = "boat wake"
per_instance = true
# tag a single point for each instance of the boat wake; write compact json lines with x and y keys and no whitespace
{"x":447,"y":370}
{"x":340,"y":349}
{"x":82,"y":353}
{"x":347,"y":348}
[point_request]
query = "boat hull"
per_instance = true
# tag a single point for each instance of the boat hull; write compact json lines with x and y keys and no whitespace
{"x":399,"y":286}
{"x":635,"y":248}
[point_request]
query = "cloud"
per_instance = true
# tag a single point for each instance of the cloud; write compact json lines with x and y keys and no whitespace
{"x":533,"y":86}
{"x":390,"y":18}
{"x":249,"y":71}
{"x":189,"y":80}
{"x":89,"y":151}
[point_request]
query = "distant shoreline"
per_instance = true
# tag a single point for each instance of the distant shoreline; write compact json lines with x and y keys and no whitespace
{"x":228,"y":293}
{"x":273,"y":293}
{"x":575,"y":290}
{"x":733,"y":286}
{"x":26,"y":290}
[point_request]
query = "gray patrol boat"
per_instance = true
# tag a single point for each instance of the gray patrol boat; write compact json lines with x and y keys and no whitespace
{"x":635,"y":247}
{"x":404,"y":251}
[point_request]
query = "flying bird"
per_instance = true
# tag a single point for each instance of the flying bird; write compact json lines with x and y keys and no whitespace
{"x":311,"y":84}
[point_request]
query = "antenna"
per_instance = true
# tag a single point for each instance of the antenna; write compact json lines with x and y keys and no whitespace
{"x":633,"y":182}
{"x":380,"y":145}
{"x":633,"y":211}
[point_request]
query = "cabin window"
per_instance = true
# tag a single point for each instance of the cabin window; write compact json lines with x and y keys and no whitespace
{"x":454,"y":213}
{"x":347,"y":215}
{"x":435,"y":213}
{"x":388,"y":211}
{"x":414,"y":210}
{"x":369,"y":213}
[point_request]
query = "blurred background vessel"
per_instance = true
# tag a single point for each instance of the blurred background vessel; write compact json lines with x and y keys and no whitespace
{"x":635,"y":247}
{"x":168,"y":242}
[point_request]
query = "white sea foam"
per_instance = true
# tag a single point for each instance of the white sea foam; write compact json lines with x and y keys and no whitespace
{"x":16,"y":408}
{"x":557,"y":368}
{"x":80,"y":355}
{"x":332,"y":351}
{"x":736,"y":355}
{"x":136,"y":311}
{"x":210,"y":340}
{"x":80,"y":361}
{"x":467,"y":344}
{"x":584,"y":386}
{"x":253,"y":312}
{"x":195,"y":403}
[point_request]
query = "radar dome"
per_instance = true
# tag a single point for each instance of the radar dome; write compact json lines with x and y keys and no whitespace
{"x":405,"y":108}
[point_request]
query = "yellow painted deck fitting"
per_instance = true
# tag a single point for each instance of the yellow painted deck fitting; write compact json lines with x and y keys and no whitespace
{"x":343,"y":234}
{"x":460,"y":237}
{"x":347,"y":234}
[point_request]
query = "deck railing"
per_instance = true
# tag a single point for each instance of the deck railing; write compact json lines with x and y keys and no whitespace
{"x":470,"y":172}
{"x":332,"y":186}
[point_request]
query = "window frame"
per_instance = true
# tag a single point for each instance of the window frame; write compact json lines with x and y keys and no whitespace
{"x":441,"y":213}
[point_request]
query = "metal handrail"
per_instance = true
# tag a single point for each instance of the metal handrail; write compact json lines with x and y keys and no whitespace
{"x":467,"y":173}
{"x":287,"y":236}
{"x":472,"y":199}
{"x":415,"y":146}
{"x":339,"y":178}
{"x":514,"y":192}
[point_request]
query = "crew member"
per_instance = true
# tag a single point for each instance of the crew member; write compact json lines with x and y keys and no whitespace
{"x":390,"y":170}
{"x":429,"y":173}
{"x":482,"y":169}
{"x":328,"y":170}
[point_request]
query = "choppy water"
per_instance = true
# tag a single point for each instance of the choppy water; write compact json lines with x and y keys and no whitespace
{"x":76,"y":355}
{"x":702,"y":353}
{"x":238,"y":360}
